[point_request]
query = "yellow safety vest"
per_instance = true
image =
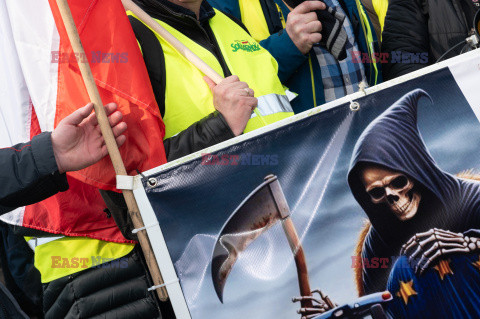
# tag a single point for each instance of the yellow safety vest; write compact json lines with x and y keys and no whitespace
{"x":380,"y":7}
{"x":187,"y":96}
{"x":69,"y":255}
{"x":59,"y":257}
{"x":254,"y":19}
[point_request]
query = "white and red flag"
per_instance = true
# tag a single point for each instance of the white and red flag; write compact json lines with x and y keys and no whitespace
{"x":41,"y":84}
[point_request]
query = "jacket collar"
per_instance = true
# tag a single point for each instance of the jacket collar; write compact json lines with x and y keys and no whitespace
{"x":161,"y":9}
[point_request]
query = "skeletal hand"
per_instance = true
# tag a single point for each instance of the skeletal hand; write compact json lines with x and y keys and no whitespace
{"x":319,"y":305}
{"x":436,"y":243}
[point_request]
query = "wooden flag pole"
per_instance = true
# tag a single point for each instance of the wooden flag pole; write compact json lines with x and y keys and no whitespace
{"x":112,"y":147}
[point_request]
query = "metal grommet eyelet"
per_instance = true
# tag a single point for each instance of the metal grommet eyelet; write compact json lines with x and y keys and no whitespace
{"x":354,"y":106}
{"x":152,"y":182}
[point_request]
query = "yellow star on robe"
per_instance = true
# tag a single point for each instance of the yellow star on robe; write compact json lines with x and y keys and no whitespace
{"x":406,"y":290}
{"x":477,"y":264}
{"x":443,"y":268}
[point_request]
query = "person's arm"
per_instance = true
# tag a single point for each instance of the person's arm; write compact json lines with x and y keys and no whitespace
{"x":209,"y":131}
{"x":29,"y":173}
{"x":288,"y":56}
{"x":33,"y":171}
{"x":405,"y":32}
{"x":226,"y":122}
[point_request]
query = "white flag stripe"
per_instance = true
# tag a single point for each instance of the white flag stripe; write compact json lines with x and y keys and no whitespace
{"x":15,"y":107}
{"x":36,"y":37}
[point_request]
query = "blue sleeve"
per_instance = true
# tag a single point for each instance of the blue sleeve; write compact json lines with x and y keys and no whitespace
{"x":288,"y":57}
{"x":227,"y":6}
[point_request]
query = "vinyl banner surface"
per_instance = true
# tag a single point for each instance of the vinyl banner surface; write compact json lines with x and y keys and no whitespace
{"x":377,"y":197}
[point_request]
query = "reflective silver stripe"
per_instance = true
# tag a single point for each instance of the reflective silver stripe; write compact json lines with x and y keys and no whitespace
{"x":34,"y":242}
{"x":272,"y":103}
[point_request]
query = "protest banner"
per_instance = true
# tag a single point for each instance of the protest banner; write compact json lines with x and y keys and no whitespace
{"x":376,"y":195}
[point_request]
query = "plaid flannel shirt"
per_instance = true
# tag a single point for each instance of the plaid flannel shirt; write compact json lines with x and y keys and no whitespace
{"x":340,"y":78}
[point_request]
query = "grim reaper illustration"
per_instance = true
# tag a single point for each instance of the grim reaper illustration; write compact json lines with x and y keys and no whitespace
{"x":414,"y":207}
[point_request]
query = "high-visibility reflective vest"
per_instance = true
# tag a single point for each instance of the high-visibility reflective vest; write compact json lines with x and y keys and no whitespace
{"x":253,"y":17}
{"x":380,"y":7}
{"x":188,"y":97}
{"x":58,"y":257}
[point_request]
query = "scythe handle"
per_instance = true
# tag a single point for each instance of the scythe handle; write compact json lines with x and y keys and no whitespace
{"x":300,"y":260}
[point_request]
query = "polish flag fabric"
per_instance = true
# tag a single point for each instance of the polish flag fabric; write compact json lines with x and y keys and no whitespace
{"x":42,"y":84}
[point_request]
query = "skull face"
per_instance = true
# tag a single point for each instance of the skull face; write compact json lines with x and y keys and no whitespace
{"x":392,"y":188}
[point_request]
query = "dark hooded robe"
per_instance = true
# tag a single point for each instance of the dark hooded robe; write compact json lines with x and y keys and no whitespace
{"x":393,"y":141}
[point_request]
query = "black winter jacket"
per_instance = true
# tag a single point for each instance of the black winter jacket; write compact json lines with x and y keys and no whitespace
{"x":29,"y":173}
{"x":421,"y":27}
{"x":9,"y":307}
{"x":117,"y":289}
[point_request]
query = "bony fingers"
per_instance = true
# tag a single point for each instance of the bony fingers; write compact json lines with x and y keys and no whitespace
{"x":237,"y":85}
{"x":252,"y":102}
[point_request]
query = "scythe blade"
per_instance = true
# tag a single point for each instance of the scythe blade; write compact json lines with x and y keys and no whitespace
{"x":257,"y":213}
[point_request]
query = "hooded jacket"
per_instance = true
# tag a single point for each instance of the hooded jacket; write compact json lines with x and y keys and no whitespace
{"x":393,"y":141}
